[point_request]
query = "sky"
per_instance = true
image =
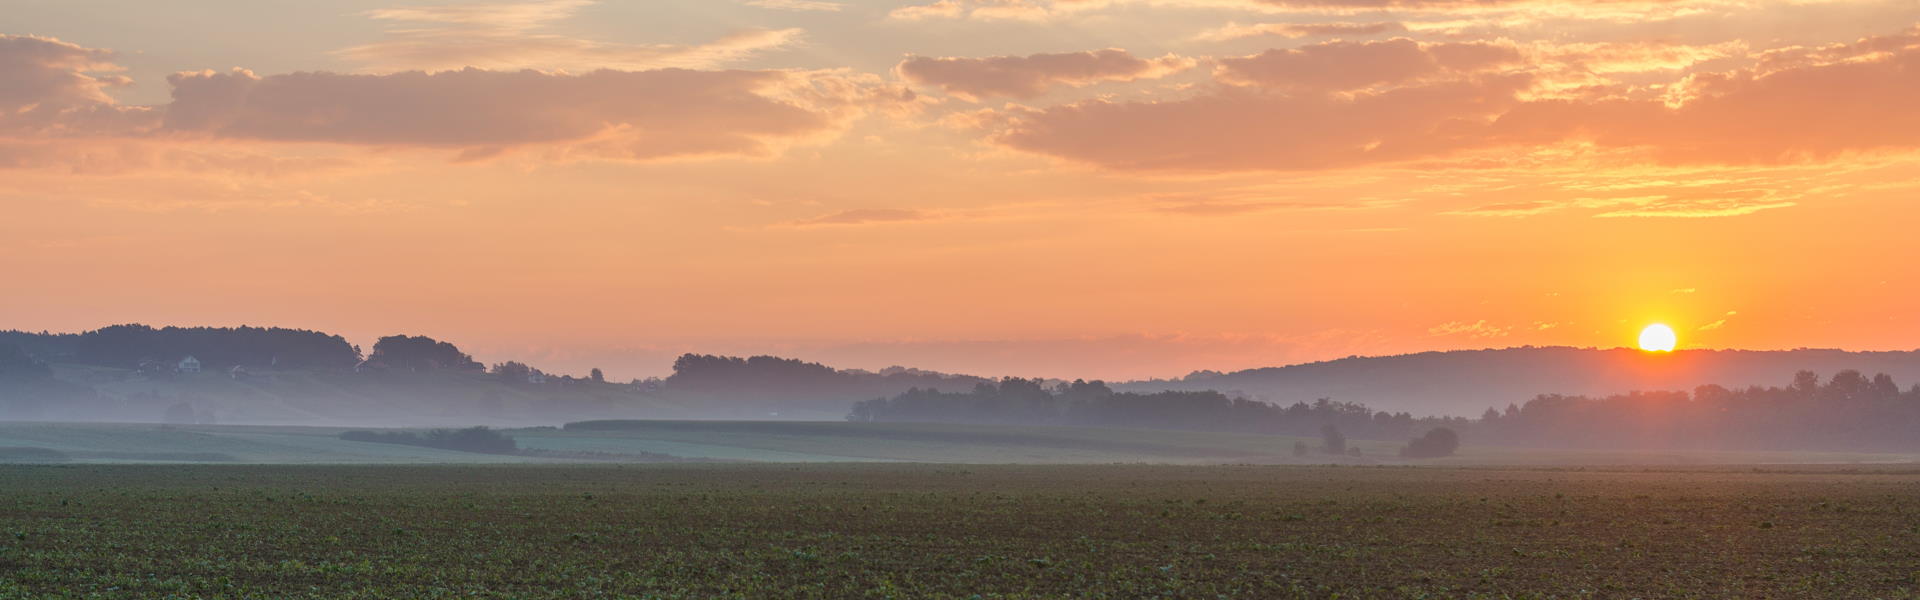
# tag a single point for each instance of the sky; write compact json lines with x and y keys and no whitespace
{"x":1108,"y":189}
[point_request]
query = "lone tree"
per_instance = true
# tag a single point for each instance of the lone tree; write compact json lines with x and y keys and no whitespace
{"x":596,"y":375}
{"x":1438,"y":442}
{"x":1332,"y":441}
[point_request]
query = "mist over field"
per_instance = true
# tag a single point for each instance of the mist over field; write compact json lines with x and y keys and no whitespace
{"x":1815,"y":401}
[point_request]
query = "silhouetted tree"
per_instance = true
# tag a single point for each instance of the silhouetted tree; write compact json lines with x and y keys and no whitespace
{"x":596,"y":375}
{"x":420,"y":353}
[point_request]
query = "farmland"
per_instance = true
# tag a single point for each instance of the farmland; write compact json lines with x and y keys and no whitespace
{"x":798,"y":442}
{"x":953,"y":531}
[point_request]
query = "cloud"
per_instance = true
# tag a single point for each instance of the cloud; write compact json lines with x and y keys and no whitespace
{"x":864,"y":216}
{"x":112,"y":157}
{"x":1636,"y":57}
{"x":1694,"y":208}
{"x":54,"y":88}
{"x":1233,"y":31}
{"x":1347,"y":5}
{"x":1343,"y":104}
{"x":1696,"y":205}
{"x":1029,"y":76}
{"x":512,"y":36}
{"x":1354,"y":65}
{"x":1524,"y":208}
{"x":50,"y":94}
{"x":798,"y":5}
{"x":974,"y":9}
{"x":1816,"y":106}
{"x":1720,"y":323}
{"x":639,"y":115}
{"x":1477,"y":329}
{"x":1036,"y":10}
{"x":1208,"y":208}
{"x":1234,"y":129}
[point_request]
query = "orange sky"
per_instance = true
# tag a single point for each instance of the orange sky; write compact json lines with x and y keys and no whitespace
{"x":1099,"y":188}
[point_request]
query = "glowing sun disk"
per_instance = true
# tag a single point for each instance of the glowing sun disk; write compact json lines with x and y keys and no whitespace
{"x":1658,"y":338}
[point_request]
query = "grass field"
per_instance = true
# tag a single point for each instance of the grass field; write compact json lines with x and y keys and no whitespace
{"x":934,"y":531}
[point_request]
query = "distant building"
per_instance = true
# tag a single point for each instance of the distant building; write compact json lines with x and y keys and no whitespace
{"x":188,"y":365}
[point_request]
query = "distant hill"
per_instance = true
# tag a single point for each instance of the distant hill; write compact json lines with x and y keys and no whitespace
{"x":1467,"y":382}
{"x":137,"y":373}
{"x":290,"y":376}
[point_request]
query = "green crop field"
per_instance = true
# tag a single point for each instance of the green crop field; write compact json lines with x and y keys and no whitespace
{"x":953,"y":531}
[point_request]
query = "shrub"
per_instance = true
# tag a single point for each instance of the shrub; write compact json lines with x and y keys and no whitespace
{"x":1437,"y":442}
{"x":1332,"y":441}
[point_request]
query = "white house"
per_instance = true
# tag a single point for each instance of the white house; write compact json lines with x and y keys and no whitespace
{"x":188,"y":365}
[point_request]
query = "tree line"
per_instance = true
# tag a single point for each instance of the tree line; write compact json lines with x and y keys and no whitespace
{"x":1849,"y":411}
{"x":764,"y":386}
{"x":1092,"y":403}
{"x":128,"y":346}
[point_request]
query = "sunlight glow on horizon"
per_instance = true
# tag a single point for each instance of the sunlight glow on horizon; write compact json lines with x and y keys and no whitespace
{"x":1658,"y":337}
{"x":953,"y":185}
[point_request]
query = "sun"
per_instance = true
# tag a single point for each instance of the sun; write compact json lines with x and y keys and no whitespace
{"x":1658,"y":338}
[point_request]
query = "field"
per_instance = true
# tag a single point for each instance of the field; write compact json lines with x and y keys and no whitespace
{"x":756,"y":441}
{"x":934,"y":531}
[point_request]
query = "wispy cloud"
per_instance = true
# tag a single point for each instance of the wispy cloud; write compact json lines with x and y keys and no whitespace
{"x":798,"y":5}
{"x":1476,"y":329}
{"x":1667,"y":208}
{"x":1524,"y":208}
{"x":1233,"y":31}
{"x":1682,"y":204}
{"x":515,"y":36}
{"x":1231,"y":207}
{"x":1720,"y":323}
{"x":1029,"y":76}
{"x":637,"y":115}
{"x":863,"y":216}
